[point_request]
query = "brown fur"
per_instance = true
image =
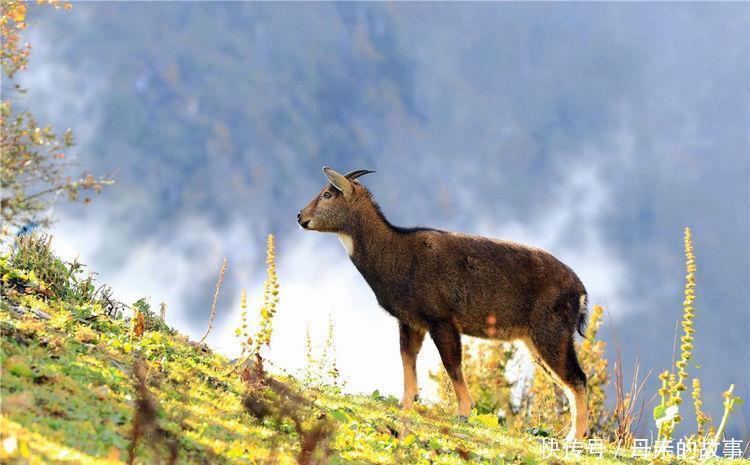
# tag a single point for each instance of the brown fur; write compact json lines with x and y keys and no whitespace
{"x":450,"y":284}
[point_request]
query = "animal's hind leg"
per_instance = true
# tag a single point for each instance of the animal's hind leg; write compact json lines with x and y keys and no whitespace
{"x":556,"y":353}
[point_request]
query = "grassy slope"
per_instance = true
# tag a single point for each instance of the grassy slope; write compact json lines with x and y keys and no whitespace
{"x":68,"y":397}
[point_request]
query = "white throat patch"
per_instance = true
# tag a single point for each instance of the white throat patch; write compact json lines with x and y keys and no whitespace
{"x":348,"y":243}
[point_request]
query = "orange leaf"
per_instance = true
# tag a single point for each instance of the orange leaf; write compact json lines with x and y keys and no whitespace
{"x":114,"y":453}
{"x":17,"y":12}
{"x":139,"y":324}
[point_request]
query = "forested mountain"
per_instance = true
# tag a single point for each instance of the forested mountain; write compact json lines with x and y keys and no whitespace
{"x":594,"y":130}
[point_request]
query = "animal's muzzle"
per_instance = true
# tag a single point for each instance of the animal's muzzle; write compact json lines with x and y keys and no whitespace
{"x":305,"y":223}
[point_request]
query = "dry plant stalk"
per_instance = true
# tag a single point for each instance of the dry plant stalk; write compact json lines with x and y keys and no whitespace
{"x":625,"y":408}
{"x":163,"y":311}
{"x":212,"y":315}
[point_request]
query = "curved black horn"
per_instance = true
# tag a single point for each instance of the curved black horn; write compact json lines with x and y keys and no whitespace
{"x":352,"y":175}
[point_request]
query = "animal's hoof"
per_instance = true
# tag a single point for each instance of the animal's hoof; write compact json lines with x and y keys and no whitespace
{"x":407,"y":403}
{"x":463,"y":418}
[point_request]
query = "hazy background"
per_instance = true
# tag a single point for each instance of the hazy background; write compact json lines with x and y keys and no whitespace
{"x":597,"y":131}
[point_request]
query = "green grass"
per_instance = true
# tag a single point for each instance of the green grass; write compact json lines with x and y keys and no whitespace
{"x":68,"y":396}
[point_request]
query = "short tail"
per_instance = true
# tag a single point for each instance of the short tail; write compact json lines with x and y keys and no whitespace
{"x":583,"y":305}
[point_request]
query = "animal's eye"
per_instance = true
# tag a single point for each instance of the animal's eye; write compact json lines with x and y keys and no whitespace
{"x":327,"y":195}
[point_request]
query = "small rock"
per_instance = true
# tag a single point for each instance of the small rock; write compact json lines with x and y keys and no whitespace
{"x":119,"y":366}
{"x":40,"y":313}
{"x":17,"y":311}
{"x":21,"y":311}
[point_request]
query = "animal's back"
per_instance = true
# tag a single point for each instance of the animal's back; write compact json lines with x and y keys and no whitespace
{"x":482,"y":283}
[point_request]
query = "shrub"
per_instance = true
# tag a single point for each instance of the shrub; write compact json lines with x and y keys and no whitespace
{"x":33,"y":168}
{"x":30,"y":267}
{"x":151,"y":322}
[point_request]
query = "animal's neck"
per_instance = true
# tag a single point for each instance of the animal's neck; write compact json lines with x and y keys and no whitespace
{"x":369,"y":239}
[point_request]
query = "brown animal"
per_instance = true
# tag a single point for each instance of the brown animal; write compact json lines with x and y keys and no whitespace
{"x":450,"y":284}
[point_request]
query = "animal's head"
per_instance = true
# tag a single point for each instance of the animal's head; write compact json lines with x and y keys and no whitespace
{"x":338,"y":204}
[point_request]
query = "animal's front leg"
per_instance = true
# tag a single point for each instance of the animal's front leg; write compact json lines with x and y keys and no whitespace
{"x":448,"y":342}
{"x":411,"y":341}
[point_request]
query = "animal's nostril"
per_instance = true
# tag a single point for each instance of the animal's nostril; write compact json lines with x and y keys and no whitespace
{"x":298,"y":216}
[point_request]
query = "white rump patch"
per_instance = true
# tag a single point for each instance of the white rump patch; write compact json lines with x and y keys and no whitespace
{"x":348,"y":243}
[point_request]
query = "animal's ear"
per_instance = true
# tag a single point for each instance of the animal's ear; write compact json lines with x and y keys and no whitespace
{"x":339,"y":181}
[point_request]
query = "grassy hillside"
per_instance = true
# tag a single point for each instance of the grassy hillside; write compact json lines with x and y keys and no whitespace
{"x":71,"y":393}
